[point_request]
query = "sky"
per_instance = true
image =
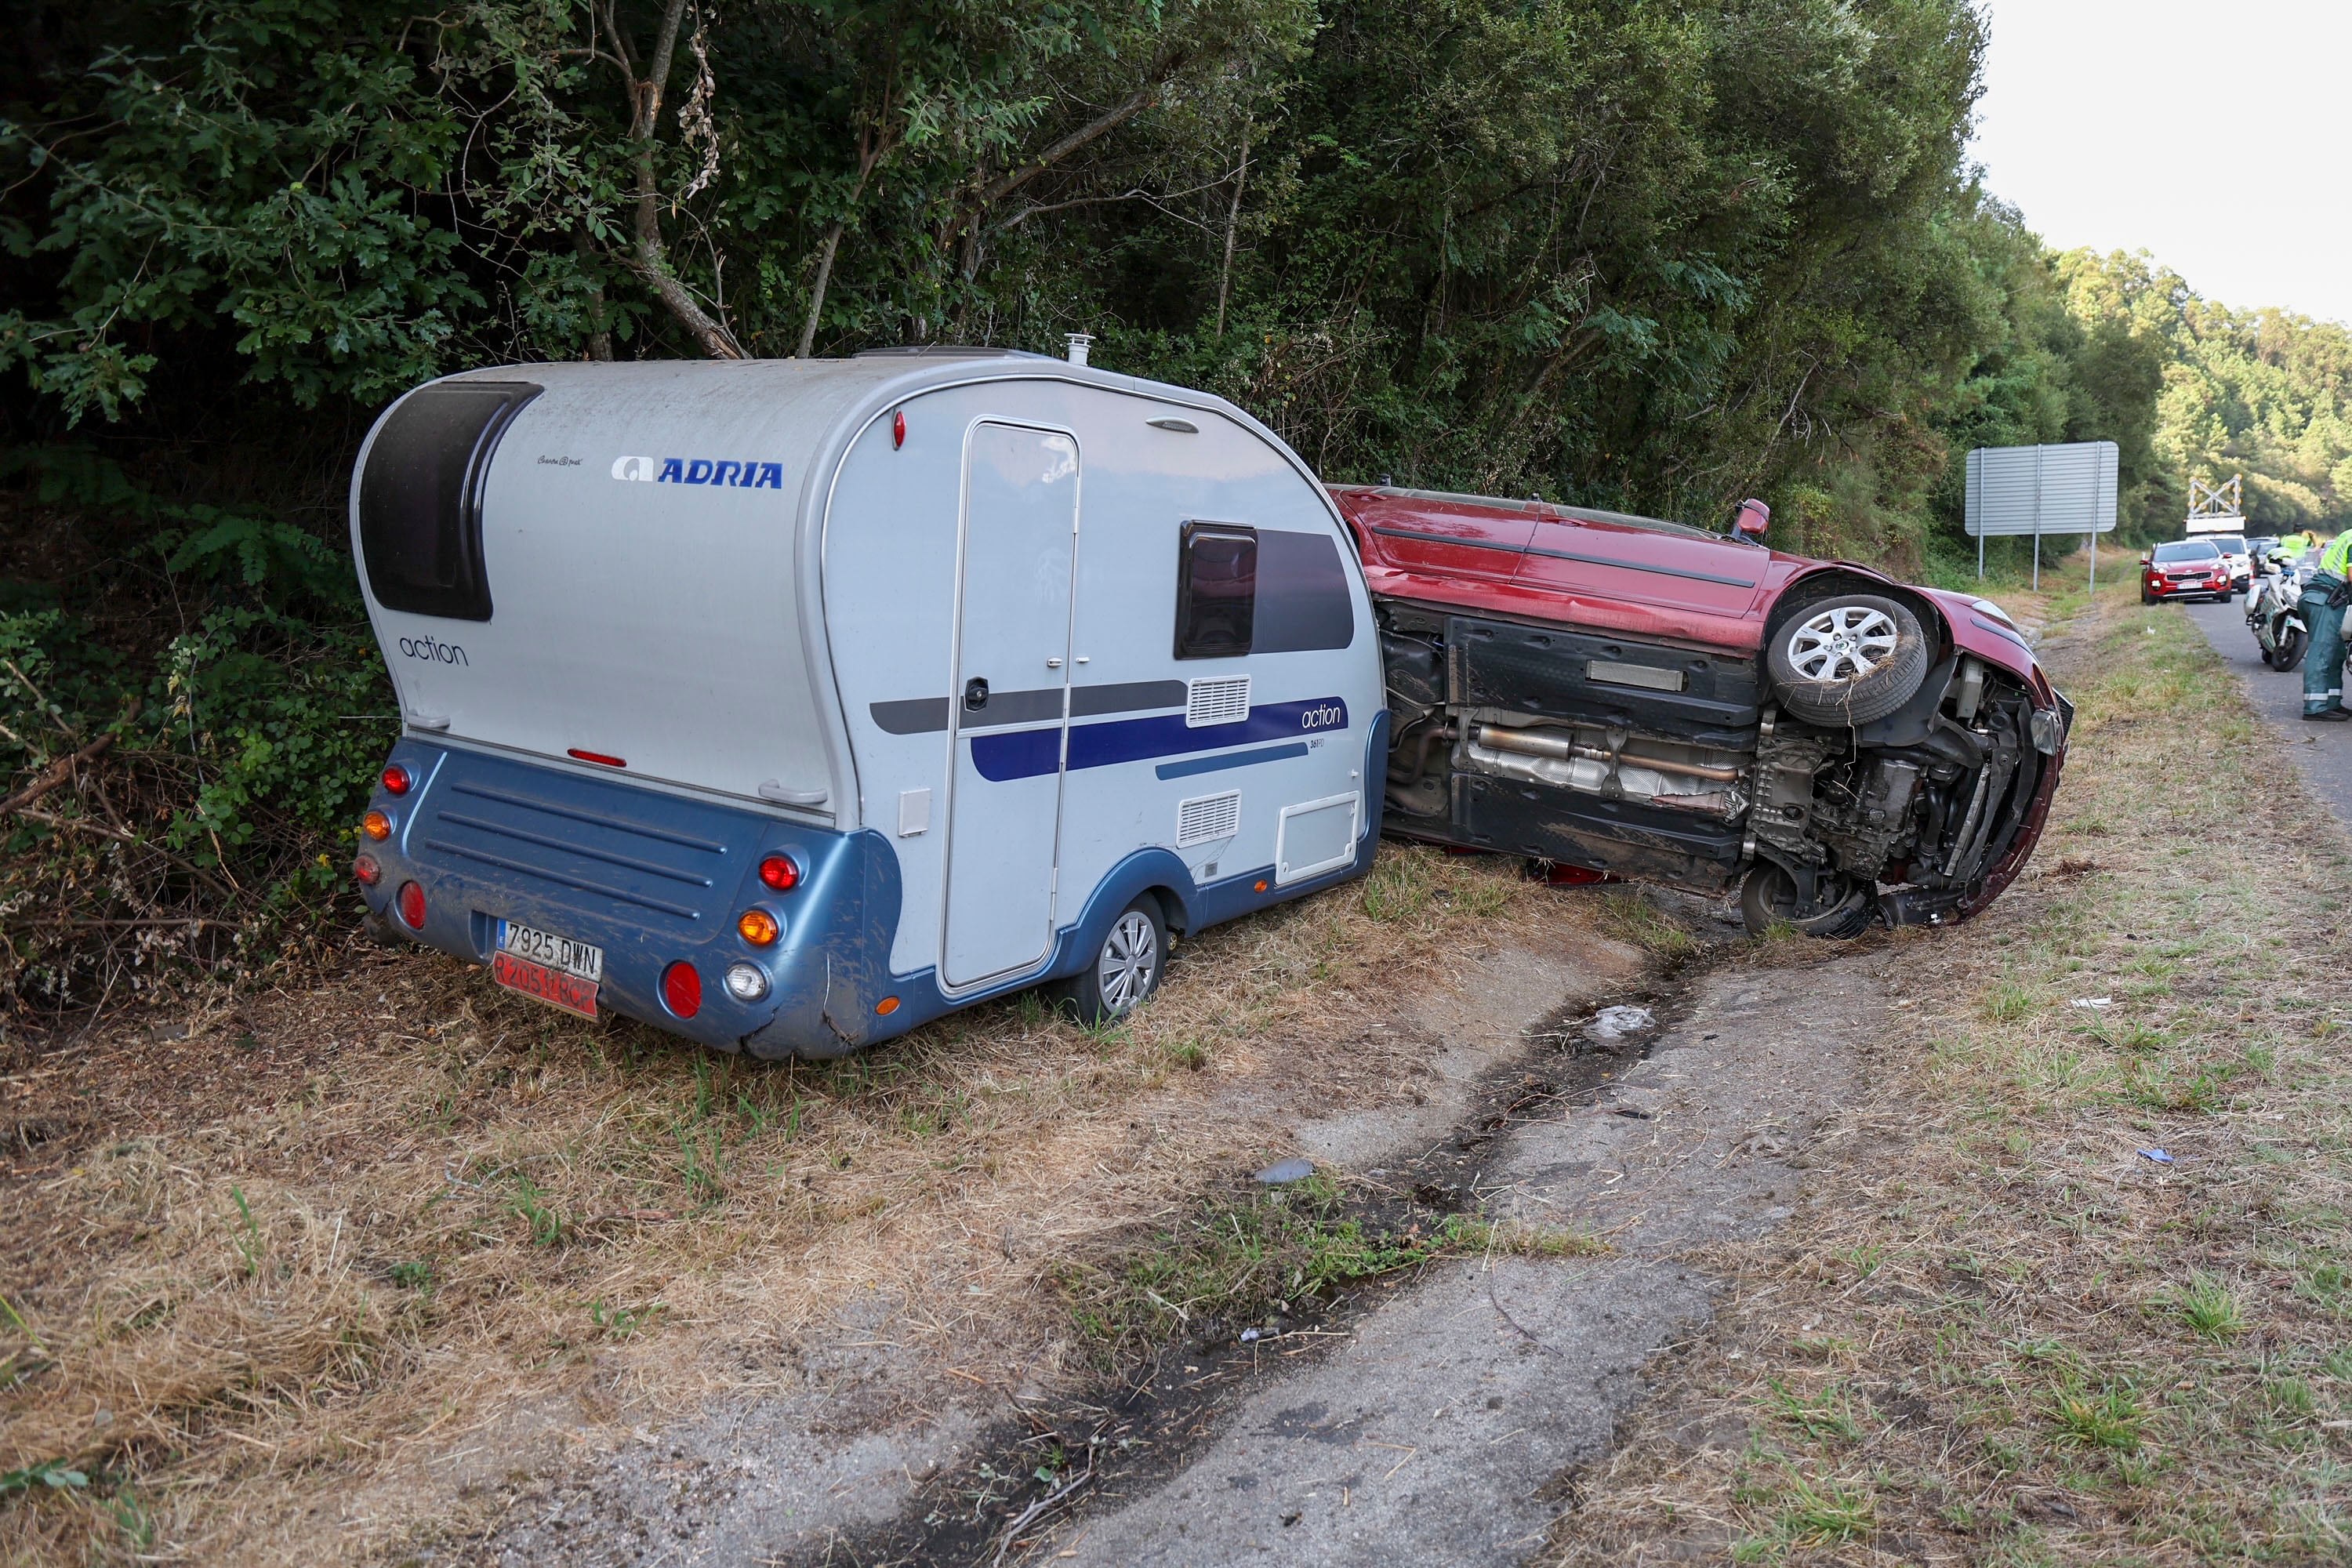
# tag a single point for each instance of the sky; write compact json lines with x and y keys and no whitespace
{"x":2215,"y":134}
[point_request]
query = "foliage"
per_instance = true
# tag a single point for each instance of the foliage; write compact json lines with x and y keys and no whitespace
{"x":1651,"y":253}
{"x":235,"y":747}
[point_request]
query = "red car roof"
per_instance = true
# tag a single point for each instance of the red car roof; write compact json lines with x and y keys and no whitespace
{"x":1534,"y":559}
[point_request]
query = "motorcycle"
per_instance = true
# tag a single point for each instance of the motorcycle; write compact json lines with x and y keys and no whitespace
{"x":2273,"y":616}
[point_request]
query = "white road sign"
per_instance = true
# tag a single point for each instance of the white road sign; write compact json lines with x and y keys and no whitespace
{"x":2016,"y":491}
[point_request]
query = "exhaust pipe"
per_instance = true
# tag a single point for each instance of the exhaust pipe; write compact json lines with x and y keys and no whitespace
{"x":1536,"y":744}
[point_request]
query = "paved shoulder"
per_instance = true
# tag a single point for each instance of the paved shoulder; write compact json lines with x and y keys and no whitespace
{"x":2323,"y":752}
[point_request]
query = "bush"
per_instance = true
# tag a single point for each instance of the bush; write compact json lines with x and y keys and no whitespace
{"x":180,"y":798}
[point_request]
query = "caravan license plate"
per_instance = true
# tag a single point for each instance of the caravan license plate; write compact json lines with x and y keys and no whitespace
{"x":583,"y":959}
{"x":556,"y":970}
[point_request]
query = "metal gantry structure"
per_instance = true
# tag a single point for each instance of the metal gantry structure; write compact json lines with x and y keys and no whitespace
{"x":2217,"y":508}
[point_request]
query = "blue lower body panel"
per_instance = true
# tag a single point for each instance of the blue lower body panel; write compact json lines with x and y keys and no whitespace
{"x":652,"y":878}
{"x":655,"y":879}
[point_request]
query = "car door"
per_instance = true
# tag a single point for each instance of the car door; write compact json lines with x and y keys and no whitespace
{"x":1610,"y":559}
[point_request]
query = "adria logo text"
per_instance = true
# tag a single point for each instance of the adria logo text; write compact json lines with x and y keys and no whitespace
{"x":728,"y":471}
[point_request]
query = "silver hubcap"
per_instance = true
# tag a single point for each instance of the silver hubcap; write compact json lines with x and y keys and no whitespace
{"x":1842,"y":643}
{"x":1129,"y":959}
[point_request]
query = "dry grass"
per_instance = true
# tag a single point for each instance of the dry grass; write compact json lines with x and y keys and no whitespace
{"x":1997,"y":1332}
{"x":276,"y":1288}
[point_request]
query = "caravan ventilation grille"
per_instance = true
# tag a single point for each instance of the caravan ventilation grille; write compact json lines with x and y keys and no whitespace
{"x":1224,"y":701}
{"x":1205,"y":819}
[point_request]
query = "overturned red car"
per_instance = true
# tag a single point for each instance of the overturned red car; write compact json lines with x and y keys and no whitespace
{"x":1644,"y":698}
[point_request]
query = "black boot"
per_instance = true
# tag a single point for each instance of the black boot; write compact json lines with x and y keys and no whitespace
{"x":2328,"y":716}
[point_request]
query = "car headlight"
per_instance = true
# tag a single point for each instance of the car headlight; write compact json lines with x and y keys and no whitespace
{"x":2048,"y":730}
{"x":1987,"y":608}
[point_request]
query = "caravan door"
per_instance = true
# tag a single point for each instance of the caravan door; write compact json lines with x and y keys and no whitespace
{"x":1009,"y":701}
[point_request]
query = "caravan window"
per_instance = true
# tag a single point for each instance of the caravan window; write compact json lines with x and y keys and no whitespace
{"x":1216,"y":590}
{"x":1302,"y":595}
{"x":421,"y":497}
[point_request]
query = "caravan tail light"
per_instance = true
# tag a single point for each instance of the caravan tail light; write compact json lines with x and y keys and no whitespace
{"x":411,"y":900}
{"x":397,"y":780}
{"x":366,"y":869}
{"x":758,"y":927}
{"x":682,"y":989}
{"x":599,"y":758}
{"x":779,"y":872}
{"x":376,"y":826}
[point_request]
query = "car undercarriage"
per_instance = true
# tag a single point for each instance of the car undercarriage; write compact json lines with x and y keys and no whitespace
{"x":1708,"y":769}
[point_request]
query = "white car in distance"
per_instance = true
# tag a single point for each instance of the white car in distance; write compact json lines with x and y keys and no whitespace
{"x":2242,"y":562}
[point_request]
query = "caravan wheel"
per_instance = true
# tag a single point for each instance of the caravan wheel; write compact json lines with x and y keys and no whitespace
{"x":1126,"y":968}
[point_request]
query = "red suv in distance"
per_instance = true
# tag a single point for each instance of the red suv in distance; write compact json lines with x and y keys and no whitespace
{"x":1640,"y":697}
{"x":2184,"y":569}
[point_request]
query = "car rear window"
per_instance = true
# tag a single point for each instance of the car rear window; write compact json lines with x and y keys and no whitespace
{"x":421,"y":497}
{"x":2188,"y":550}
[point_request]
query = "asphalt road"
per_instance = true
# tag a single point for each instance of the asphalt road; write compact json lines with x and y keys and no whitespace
{"x":2323,"y":752}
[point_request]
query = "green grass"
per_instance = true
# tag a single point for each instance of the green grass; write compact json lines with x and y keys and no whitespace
{"x":2211,"y":1310}
{"x":1824,"y":1417}
{"x":2007,"y":1003}
{"x":1635,"y":920}
{"x":1241,"y":1261}
{"x":2111,"y":1418}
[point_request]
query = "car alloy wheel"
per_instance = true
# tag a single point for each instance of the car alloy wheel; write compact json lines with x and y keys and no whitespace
{"x":1842,"y":642}
{"x":1768,"y":898}
{"x":1847,"y":660}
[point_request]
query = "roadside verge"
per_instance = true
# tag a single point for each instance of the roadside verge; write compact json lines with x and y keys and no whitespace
{"x":2071,"y":1280}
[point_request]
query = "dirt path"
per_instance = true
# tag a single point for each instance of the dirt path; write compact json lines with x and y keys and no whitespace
{"x":1441,"y":1431}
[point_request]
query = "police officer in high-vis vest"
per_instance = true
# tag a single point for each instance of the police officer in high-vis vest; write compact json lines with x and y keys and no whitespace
{"x":2324,"y":600}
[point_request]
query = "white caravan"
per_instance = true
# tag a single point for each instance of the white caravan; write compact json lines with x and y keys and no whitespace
{"x":787,"y":704}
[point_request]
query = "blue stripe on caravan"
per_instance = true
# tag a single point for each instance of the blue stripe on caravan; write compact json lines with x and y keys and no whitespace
{"x":1231,"y":760}
{"x":1020,"y":755}
{"x":1027,"y":754}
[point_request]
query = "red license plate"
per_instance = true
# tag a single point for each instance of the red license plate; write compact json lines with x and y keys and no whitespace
{"x":551,"y":986}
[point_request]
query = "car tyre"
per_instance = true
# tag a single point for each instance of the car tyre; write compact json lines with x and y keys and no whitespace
{"x":1126,"y":967}
{"x":1847,"y":660}
{"x":1768,"y":898}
